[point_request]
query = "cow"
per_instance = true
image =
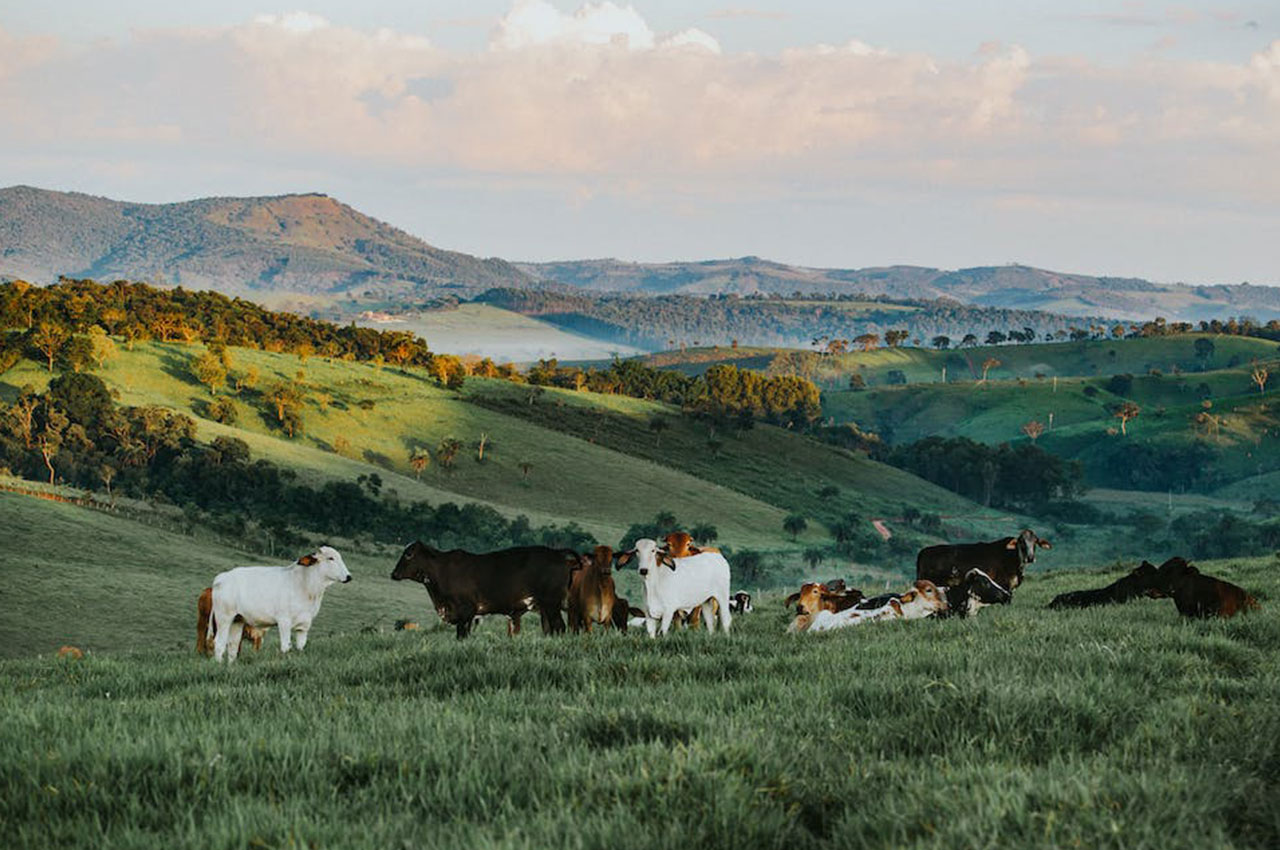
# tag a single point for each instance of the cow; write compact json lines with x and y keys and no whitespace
{"x":1139,"y":582}
{"x":977,"y":591}
{"x":1004,"y":560}
{"x":923,"y":600}
{"x":672,"y":585}
{"x":206,"y":625}
{"x":70,"y":653}
{"x":679,"y":544}
{"x":814,"y":597}
{"x":463,"y":585}
{"x":288,"y":597}
{"x":1199,"y":595}
{"x":740,"y":603}
{"x":591,"y":597}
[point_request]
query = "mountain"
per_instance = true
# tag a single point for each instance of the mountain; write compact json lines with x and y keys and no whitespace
{"x":294,"y":243}
{"x":1014,"y":286}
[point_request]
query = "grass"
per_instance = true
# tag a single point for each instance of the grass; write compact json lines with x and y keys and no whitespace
{"x":1121,"y":727}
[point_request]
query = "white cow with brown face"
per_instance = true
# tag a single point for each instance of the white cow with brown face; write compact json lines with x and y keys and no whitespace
{"x":288,"y":597}
{"x":923,"y":600}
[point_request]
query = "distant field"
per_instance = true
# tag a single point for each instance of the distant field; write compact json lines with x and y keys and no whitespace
{"x":1121,"y":727}
{"x":487,"y":331}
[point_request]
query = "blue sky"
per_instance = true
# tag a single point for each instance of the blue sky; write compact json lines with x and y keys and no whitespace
{"x":1109,"y":137}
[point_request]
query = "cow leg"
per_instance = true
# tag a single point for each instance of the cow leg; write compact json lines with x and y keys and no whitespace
{"x":300,"y":635}
{"x":725,"y":617}
{"x":220,"y":639}
{"x":552,"y":622}
{"x":651,"y":626}
{"x":286,"y":634}
{"x":234,"y":638}
{"x":513,"y":624}
{"x":666,"y":621}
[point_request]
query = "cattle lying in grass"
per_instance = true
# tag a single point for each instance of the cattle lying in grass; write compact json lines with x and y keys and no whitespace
{"x":591,"y":597}
{"x":740,"y":603}
{"x":1198,"y":595}
{"x":814,"y":597}
{"x":923,"y":600}
{"x":463,"y":585}
{"x":1139,"y":582}
{"x":206,"y":626}
{"x":1004,"y":560}
{"x":673,"y":585}
{"x":288,"y":597}
{"x":977,"y":591}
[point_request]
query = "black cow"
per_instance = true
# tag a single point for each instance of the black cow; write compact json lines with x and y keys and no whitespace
{"x":978,"y":590}
{"x":1140,"y":582}
{"x":1199,"y":595}
{"x":464,"y":585}
{"x":1003,"y":560}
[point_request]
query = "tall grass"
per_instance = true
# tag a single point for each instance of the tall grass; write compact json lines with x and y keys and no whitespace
{"x":1120,"y":727}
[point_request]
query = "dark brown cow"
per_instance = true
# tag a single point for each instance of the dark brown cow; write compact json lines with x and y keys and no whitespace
{"x":591,"y":593}
{"x":464,"y":585}
{"x":207,"y":625}
{"x":1004,"y":560}
{"x":1139,"y":582}
{"x":1199,"y":595}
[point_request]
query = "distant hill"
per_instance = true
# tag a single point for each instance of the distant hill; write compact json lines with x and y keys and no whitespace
{"x":295,"y":243}
{"x":1014,"y":286}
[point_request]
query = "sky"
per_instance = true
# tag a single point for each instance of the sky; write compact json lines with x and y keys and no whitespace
{"x":1122,"y":138}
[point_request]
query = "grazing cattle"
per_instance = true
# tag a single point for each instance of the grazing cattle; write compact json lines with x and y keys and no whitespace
{"x":1139,"y":582}
{"x":672,"y":585}
{"x":591,"y":596}
{"x":740,"y":603}
{"x":463,"y":585}
{"x":923,"y":600}
{"x":1004,"y":560}
{"x":206,"y":625}
{"x":977,"y":591}
{"x":1198,"y":595}
{"x":288,"y":597}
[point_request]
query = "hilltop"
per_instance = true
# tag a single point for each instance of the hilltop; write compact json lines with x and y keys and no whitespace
{"x":296,"y":243}
{"x":1012,"y":287}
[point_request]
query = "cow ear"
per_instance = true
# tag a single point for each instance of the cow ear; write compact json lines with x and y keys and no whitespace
{"x":1012,"y":544}
{"x":625,"y":557}
{"x":308,"y":560}
{"x":1044,"y":544}
{"x":791,"y":600}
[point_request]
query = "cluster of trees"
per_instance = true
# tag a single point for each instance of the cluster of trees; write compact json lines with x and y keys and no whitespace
{"x":74,"y":433}
{"x":1220,"y":534}
{"x":1021,"y":476}
{"x":677,"y":320}
{"x":54,"y":317}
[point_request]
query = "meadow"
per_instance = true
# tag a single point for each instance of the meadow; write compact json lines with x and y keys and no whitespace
{"x":1122,"y":727}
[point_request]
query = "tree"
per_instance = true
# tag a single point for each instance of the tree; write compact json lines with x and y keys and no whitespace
{"x":895,"y":338}
{"x":942,"y":342}
{"x":209,"y":371}
{"x":1203,"y":347}
{"x":1033,"y":429}
{"x":419,"y":459}
{"x":867,"y":342}
{"x":286,"y":399}
{"x":969,"y":341}
{"x":1259,"y":376}
{"x":813,"y":557}
{"x":49,"y":438}
{"x":995,"y":338}
{"x":794,"y":524}
{"x":101,"y":346}
{"x":657,"y":425}
{"x":704,"y":532}
{"x":248,"y":380}
{"x":447,"y":452}
{"x":223,"y":409}
{"x":481,"y":445}
{"x":987,"y":365}
{"x":1124,"y":412}
{"x":47,"y":338}
{"x":107,"y":473}
{"x":525,"y":468}
{"x":857,"y":383}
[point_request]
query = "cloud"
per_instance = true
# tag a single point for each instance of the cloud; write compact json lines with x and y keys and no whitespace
{"x":756,"y":14}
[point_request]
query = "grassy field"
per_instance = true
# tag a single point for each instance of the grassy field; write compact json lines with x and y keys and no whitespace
{"x":1124,"y":727}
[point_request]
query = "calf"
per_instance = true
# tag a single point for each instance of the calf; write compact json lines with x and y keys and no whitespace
{"x":1199,"y":595}
{"x":814,"y":597}
{"x":288,"y":597}
{"x":672,"y":585}
{"x":206,"y":625}
{"x":463,"y":585}
{"x":591,"y":597}
{"x":1139,"y":582}
{"x":740,"y":603}
{"x":923,"y":600}
{"x":975,"y":592}
{"x":1003,"y":560}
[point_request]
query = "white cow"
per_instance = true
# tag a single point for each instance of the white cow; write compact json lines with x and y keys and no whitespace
{"x":287,"y":597}
{"x":923,"y":600}
{"x":680,"y":584}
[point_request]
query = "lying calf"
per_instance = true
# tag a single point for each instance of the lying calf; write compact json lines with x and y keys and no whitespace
{"x":740,"y":603}
{"x":1140,"y":582}
{"x":976,"y":591}
{"x":923,"y":600}
{"x":814,"y":597}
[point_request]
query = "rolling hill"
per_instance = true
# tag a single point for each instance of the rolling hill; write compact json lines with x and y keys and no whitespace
{"x":1012,"y":287}
{"x":295,"y":243}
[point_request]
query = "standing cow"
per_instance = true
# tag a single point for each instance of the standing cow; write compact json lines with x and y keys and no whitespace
{"x":288,"y":597}
{"x":591,"y":597}
{"x":464,"y":585}
{"x":672,"y":585}
{"x":1003,"y":560}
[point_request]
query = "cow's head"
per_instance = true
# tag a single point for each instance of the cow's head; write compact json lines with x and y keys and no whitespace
{"x":741,"y":603}
{"x":648,"y":556}
{"x":413,"y":562}
{"x":1025,"y":545}
{"x":680,"y":545}
{"x":923,"y":600}
{"x":602,"y":559}
{"x":1169,"y":576}
{"x":836,"y":585}
{"x":328,"y":564}
{"x":1144,"y":579}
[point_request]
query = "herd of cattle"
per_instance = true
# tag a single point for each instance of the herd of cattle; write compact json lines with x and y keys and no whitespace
{"x":682,"y":584}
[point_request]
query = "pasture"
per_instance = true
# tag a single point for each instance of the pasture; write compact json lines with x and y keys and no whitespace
{"x":1120,"y":727}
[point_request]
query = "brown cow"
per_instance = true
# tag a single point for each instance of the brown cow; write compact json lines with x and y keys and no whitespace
{"x":1199,"y":595}
{"x":591,"y":597}
{"x":814,"y":597}
{"x":680,"y":545}
{"x":207,"y":626}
